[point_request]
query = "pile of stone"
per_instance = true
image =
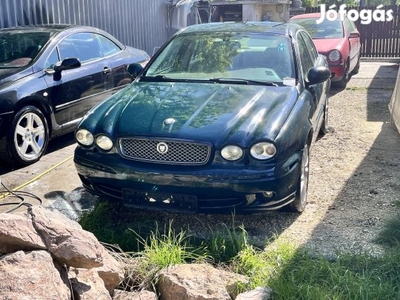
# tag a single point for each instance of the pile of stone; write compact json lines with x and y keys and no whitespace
{"x":45,"y":255}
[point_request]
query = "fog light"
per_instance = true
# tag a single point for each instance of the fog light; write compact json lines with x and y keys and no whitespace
{"x":268,"y":194}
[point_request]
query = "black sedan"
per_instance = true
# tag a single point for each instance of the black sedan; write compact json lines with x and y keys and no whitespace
{"x":50,"y":76}
{"x":222,"y":119}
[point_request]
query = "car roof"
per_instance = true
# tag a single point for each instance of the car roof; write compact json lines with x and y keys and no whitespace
{"x":53,"y":28}
{"x":256,"y":27}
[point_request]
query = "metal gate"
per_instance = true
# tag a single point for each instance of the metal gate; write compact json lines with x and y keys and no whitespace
{"x":138,"y":23}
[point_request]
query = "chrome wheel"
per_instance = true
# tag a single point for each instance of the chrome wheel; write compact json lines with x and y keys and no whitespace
{"x":29,"y":136}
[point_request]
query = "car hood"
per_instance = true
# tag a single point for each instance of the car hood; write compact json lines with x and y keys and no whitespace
{"x":11,"y":74}
{"x":208,"y":112}
{"x":325,"y":45}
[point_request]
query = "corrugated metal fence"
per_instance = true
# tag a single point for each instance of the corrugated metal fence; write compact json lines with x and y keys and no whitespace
{"x":379,"y":39}
{"x":138,"y":23}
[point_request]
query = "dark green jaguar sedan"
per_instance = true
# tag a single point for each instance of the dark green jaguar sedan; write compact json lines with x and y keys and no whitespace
{"x":222,"y":119}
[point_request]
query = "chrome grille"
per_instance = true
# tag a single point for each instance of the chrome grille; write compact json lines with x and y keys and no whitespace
{"x":179,"y":152}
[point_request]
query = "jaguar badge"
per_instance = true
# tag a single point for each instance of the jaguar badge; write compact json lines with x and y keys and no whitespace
{"x":162,"y":148}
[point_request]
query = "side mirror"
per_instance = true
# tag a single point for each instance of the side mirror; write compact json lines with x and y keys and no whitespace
{"x":66,"y":64}
{"x":318,"y":75}
{"x":135,"y":69}
{"x":354,"y":35}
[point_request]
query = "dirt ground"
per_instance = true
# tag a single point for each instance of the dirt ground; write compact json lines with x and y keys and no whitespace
{"x":354,"y":177}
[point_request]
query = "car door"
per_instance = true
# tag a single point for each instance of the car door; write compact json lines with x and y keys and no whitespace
{"x":119,"y":59}
{"x":79,"y":89}
{"x":309,"y":58}
{"x":353,"y":36}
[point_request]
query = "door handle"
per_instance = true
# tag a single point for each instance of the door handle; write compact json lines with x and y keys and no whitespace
{"x":106,"y":70}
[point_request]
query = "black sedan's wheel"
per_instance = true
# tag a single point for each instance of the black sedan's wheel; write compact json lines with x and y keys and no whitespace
{"x":28,"y":136}
{"x":299,"y":203}
{"x":325,"y":122}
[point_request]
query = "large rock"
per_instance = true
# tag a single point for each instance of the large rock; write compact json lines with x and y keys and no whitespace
{"x":259,"y":293}
{"x":88,"y":285}
{"x":198,"y":282}
{"x":140,"y":295}
{"x":32,"y":275}
{"x":17,"y":233}
{"x":111,"y":272}
{"x":60,"y":260}
{"x":66,"y":239}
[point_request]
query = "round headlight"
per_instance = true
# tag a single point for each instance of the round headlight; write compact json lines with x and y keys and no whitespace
{"x":334,"y":55}
{"x":104,"y":142}
{"x":84,"y":137}
{"x":263,"y":150}
{"x":231,"y":152}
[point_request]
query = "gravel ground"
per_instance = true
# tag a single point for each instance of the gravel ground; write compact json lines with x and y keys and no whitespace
{"x":354,"y":180}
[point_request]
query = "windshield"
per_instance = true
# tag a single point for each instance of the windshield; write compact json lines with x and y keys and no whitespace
{"x":325,"y":30}
{"x":257,"y":57}
{"x":19,"y":48}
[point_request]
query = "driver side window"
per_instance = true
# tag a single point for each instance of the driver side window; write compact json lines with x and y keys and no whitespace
{"x":308,"y":53}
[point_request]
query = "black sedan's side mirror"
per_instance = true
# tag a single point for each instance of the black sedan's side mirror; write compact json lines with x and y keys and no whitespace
{"x":135,"y":69}
{"x":66,"y":64}
{"x":318,"y":74}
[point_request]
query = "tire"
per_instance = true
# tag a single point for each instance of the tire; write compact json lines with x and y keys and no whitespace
{"x":28,"y":136}
{"x":300,"y":202}
{"x":346,"y":77}
{"x":325,"y":124}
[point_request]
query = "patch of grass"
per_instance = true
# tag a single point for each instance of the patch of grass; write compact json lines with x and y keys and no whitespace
{"x":160,"y":250}
{"x":290,"y":272}
{"x":224,"y":245}
{"x":356,"y":88}
{"x":349,"y":277}
{"x":390,"y":236}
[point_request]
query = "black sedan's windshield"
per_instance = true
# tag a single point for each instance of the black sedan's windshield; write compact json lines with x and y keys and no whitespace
{"x":253,"y":57}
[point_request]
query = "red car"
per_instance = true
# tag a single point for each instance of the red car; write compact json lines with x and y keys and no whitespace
{"x":338,"y":40}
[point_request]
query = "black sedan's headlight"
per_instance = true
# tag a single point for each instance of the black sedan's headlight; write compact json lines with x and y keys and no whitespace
{"x":84,"y":137}
{"x":104,"y":142}
{"x":232,"y":152}
{"x":263,"y":150}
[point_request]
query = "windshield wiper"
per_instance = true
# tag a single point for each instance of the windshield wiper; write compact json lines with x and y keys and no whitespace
{"x":241,"y":80}
{"x":156,"y":77}
{"x":161,"y":78}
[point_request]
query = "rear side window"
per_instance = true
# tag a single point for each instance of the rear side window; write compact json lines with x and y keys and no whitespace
{"x":108,"y":46}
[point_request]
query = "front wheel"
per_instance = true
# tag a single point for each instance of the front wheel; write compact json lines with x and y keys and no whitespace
{"x":299,"y":203}
{"x":325,"y":122}
{"x":28,"y":136}
{"x":342,"y":83}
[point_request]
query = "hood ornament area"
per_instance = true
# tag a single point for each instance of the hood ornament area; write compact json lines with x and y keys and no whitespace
{"x":168,"y":122}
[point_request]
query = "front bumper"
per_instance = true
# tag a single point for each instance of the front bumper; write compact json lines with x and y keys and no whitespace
{"x":337,"y":72}
{"x":188,"y":189}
